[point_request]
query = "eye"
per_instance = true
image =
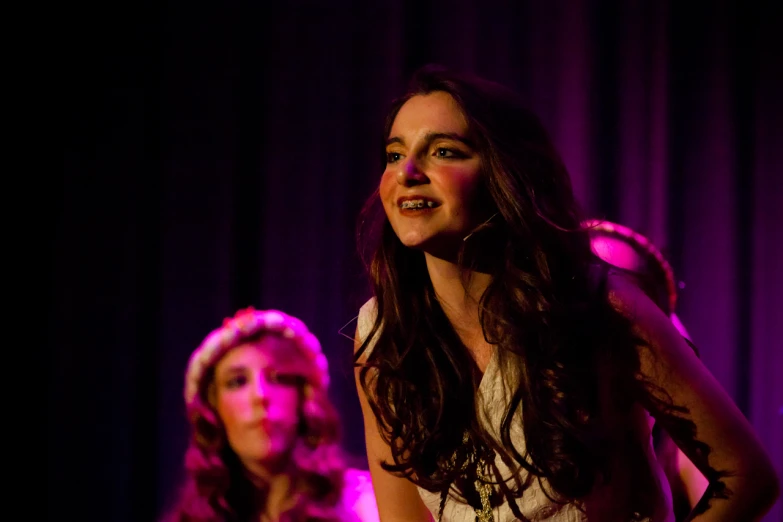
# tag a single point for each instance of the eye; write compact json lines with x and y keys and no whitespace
{"x":393,"y":157}
{"x":284,"y":379}
{"x":236,"y":381}
{"x":272,"y":376}
{"x":444,"y":152}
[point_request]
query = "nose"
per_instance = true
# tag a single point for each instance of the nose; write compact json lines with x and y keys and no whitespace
{"x":260,"y":390}
{"x":410,"y":174}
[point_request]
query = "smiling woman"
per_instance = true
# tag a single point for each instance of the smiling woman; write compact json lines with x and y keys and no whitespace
{"x":505,"y":372}
{"x":264,"y":441}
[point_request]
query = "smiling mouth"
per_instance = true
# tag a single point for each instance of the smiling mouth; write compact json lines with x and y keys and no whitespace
{"x":418,"y":204}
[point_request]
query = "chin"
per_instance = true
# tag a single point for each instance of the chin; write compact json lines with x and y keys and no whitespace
{"x":414,"y":243}
{"x":413,"y":239}
{"x":257,"y":455}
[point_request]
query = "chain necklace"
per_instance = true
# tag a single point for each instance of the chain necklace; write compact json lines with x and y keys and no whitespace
{"x":482,"y":485}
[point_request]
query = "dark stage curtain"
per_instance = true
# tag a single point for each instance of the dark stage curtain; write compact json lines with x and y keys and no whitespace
{"x":217,"y":155}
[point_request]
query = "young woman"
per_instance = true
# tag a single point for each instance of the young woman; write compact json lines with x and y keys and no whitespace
{"x":638,"y":257}
{"x":504,"y":372}
{"x":264,"y":441}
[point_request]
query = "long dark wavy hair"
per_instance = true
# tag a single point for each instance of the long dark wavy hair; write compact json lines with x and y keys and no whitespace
{"x":217,"y":488}
{"x":546,"y":310}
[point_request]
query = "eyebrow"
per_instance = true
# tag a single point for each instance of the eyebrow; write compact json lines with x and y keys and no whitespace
{"x":432,"y":136}
{"x":237,"y":368}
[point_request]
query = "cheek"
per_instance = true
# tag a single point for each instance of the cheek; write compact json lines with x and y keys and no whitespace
{"x":285,"y":411}
{"x":386,"y":188}
{"x":287,"y":406}
{"x":231,"y":411}
{"x":462,"y":188}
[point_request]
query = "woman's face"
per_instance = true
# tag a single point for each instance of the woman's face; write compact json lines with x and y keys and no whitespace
{"x":433,"y":174}
{"x":257,"y":398}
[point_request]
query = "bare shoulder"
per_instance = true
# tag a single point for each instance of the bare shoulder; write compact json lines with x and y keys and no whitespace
{"x":397,"y":498}
{"x":625,"y":295}
{"x":649,"y":321}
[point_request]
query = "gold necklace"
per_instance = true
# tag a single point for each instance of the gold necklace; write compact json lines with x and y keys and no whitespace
{"x":483,"y":488}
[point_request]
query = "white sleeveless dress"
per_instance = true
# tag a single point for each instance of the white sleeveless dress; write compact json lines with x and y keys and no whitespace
{"x":493,"y":396}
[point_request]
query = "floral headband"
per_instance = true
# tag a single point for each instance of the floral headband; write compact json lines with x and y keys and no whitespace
{"x":244,"y":325}
{"x":645,"y":245}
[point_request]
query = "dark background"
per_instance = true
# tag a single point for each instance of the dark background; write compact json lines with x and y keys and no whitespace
{"x":217,"y":154}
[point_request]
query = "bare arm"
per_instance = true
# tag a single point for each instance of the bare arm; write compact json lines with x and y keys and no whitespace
{"x":693,"y":483}
{"x":735,"y":449}
{"x":398,"y":499}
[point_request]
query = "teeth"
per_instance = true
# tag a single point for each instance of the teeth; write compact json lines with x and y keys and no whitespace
{"x":417,"y":203}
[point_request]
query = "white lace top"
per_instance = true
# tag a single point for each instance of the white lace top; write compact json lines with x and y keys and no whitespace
{"x":493,"y":396}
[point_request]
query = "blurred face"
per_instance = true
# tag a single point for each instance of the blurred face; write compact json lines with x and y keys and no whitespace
{"x":433,"y":174}
{"x":257,"y":398}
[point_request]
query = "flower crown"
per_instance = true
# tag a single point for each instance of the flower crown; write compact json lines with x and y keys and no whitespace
{"x":244,"y":325}
{"x":646,"y":246}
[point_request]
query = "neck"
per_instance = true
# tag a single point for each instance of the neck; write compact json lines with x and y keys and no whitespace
{"x":279,"y":497}
{"x":278,"y":489}
{"x":459,"y":292}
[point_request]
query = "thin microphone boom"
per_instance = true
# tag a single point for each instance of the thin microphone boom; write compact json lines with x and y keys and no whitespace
{"x":481,"y":225}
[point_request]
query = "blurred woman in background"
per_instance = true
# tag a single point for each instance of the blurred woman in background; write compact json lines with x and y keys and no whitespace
{"x":264,"y":435}
{"x":638,"y":257}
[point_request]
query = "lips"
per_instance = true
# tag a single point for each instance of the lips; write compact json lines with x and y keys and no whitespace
{"x":262,"y":423}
